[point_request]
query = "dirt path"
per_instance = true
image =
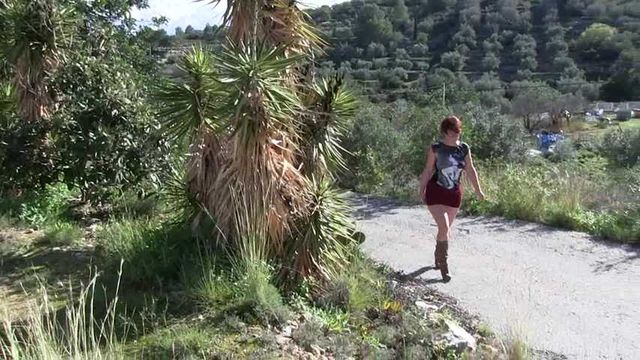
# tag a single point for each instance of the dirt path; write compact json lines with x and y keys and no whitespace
{"x":558,"y":290}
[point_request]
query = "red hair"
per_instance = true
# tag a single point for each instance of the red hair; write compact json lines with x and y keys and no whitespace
{"x":450,"y":123}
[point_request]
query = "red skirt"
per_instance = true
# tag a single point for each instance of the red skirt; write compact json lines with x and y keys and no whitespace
{"x":437,"y":195}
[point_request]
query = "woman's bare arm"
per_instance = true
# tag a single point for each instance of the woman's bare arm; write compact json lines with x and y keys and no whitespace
{"x":472,"y":176}
{"x":428,"y":171}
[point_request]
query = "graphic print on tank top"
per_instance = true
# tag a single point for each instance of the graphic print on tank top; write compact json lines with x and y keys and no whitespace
{"x":450,"y":161}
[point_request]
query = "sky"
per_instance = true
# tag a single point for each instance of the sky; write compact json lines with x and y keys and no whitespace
{"x":197,"y":14}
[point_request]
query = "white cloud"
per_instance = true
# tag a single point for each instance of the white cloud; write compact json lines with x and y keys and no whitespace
{"x":197,"y":14}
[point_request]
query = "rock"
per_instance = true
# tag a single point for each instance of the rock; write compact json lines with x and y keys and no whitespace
{"x":93,"y":228}
{"x":459,"y":338}
{"x":292,"y":323}
{"x":488,"y":351}
{"x":286,"y":332}
{"x":316,"y":350}
{"x":281,"y":340}
{"x":426,"y":307}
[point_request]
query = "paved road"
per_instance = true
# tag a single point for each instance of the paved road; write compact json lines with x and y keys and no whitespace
{"x":558,"y":290}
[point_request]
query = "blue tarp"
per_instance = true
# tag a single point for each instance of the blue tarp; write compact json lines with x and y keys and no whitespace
{"x":546,"y":141}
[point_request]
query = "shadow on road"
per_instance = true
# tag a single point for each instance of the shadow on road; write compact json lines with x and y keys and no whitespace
{"x":414,"y":276}
{"x":608,"y":265}
{"x":367,"y":207}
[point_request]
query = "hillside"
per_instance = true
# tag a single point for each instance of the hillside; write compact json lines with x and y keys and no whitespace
{"x":404,"y":48}
{"x":390,"y":45}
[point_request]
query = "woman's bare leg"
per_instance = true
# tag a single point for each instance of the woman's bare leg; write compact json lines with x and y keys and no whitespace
{"x":439,"y":213}
{"x":452,"y":213}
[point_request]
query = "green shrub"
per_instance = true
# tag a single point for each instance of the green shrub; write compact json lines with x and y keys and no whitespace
{"x":63,"y":234}
{"x":564,"y":150}
{"x":492,"y":135}
{"x":39,"y":207}
{"x":261,"y":295}
{"x":151,"y":251}
{"x":358,"y":288}
{"x":575,"y":195}
{"x":622,"y":146}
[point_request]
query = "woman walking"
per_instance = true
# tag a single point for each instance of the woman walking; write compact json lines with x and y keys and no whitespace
{"x":440,"y":185}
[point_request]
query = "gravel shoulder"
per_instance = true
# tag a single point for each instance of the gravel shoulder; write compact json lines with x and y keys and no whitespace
{"x":558,"y":290}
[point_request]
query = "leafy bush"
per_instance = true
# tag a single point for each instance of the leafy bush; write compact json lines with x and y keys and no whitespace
{"x":151,"y":252}
{"x":40,"y":207}
{"x":492,"y":135}
{"x":28,"y":157}
{"x":63,"y":234}
{"x":564,"y":150}
{"x":571,"y":195}
{"x":622,"y":146}
{"x":108,"y":137}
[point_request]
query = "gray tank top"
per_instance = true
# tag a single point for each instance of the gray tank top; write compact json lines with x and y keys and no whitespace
{"x":450,"y":161}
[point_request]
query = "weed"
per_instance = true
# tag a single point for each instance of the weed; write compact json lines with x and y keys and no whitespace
{"x":37,"y":208}
{"x":308,"y":333}
{"x":63,"y":234}
{"x":151,"y":251}
{"x":261,"y":295}
{"x":73,"y":333}
{"x":484,"y":330}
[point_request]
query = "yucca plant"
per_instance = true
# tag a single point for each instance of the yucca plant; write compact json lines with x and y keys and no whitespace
{"x":34,"y":33}
{"x":264,"y":138}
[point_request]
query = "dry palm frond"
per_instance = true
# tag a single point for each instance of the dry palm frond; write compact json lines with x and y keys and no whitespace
{"x":284,"y":23}
{"x":254,"y":161}
{"x":275,"y":22}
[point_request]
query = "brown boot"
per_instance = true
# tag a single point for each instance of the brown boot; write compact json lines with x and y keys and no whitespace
{"x":441,"y":254}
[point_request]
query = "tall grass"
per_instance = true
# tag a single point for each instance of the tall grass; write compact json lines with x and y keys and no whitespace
{"x":566,"y":195}
{"x":75,"y":332}
{"x":151,"y":251}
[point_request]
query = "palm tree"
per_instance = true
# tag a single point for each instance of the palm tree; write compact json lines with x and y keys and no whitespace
{"x":33,"y":31}
{"x":264,"y":138}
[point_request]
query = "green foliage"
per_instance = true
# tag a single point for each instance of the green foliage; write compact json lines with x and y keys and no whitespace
{"x":372,"y":26}
{"x":595,"y":36}
{"x":322,"y":242}
{"x":101,"y":134}
{"x":63,"y":234}
{"x":40,"y":207}
{"x":359,"y":288}
{"x":567,"y":195}
{"x":108,"y":138}
{"x":563,"y":151}
{"x":260,"y":297}
{"x":151,"y":252}
{"x":27,"y":157}
{"x":492,"y":135}
{"x":622,"y":146}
